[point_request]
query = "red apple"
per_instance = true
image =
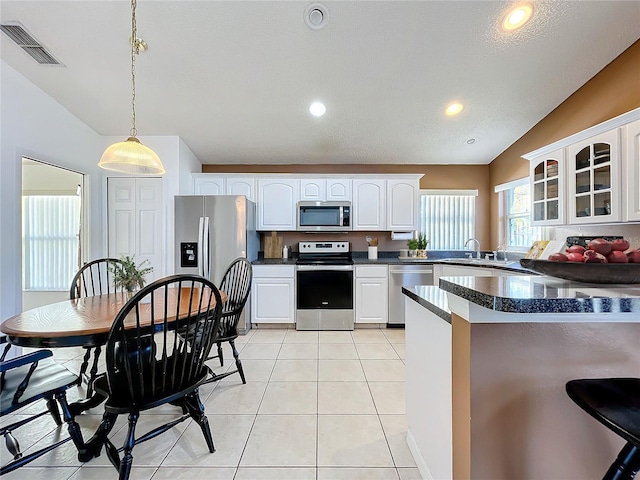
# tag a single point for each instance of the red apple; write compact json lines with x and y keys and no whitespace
{"x":576,"y":249}
{"x":599,"y":245}
{"x":593,"y":257}
{"x":619,"y":244}
{"x":559,"y":257}
{"x":575,"y":257}
{"x":633,"y":256}
{"x":616,"y":256}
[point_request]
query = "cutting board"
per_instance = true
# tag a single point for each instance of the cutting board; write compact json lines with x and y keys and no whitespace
{"x":273,"y":246}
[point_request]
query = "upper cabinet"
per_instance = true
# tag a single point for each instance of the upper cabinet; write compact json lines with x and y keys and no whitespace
{"x":378,"y":202}
{"x":591,"y":177}
{"x":241,"y":186}
{"x":207,"y":184}
{"x":548,"y":180}
{"x":402,"y":204}
{"x":632,"y":169}
{"x":277,"y":199}
{"x":594,"y":179}
{"x":369,"y":202}
{"x":212,"y":184}
{"x":321,"y":190}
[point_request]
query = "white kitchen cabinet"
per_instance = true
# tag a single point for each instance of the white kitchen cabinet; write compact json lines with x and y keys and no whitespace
{"x":402,"y":204}
{"x":313,"y":190}
{"x":547,"y":175}
{"x":632,"y":172}
{"x":594,"y":179}
{"x":272,"y":294}
{"x":135,"y":221}
{"x":321,"y":189}
{"x":372,"y":294}
{"x":277,"y":199}
{"x":369,"y":202}
{"x":338,"y":189}
{"x":208,"y":184}
{"x":241,"y":186}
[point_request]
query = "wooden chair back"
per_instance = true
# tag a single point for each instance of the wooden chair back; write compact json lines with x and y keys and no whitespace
{"x":236,"y":283}
{"x":94,"y":278}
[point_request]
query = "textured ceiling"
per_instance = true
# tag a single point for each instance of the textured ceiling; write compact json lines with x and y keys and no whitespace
{"x":234,"y":79}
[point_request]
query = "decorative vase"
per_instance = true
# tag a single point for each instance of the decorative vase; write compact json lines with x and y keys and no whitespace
{"x":422,"y":253}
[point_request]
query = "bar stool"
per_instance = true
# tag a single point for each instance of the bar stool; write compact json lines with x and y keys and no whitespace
{"x":614,"y":402}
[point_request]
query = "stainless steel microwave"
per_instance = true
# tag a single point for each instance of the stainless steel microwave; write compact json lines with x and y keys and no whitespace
{"x":324,"y":216}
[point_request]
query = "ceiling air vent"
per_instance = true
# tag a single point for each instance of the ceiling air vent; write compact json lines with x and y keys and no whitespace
{"x":16,"y":32}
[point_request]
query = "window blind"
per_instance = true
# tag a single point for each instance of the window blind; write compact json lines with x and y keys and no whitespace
{"x":50,"y":229}
{"x":447,"y":218}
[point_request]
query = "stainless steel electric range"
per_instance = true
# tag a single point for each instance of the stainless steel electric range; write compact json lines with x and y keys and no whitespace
{"x":324,"y":286}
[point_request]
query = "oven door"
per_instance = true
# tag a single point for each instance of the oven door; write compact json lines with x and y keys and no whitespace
{"x":324,"y":297}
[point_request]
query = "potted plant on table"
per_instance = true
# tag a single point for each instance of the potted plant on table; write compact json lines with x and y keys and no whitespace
{"x":128,"y":275}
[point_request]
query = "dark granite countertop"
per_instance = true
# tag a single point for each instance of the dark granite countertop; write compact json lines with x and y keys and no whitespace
{"x":392,"y":258}
{"x":430,"y":297}
{"x":543,"y":294}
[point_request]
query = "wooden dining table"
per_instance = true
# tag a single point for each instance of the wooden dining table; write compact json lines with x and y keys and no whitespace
{"x":82,"y":322}
{"x":86,"y":322}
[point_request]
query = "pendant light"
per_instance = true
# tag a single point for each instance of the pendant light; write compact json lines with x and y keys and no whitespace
{"x":131,"y":156}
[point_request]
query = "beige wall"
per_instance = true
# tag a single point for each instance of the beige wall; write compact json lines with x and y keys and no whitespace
{"x":435,"y":176}
{"x":612,"y":92}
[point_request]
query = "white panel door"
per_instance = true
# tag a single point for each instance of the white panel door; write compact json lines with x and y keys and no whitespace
{"x":149,"y":224}
{"x":338,"y":189}
{"x":633,"y":172}
{"x":272,"y":300}
{"x":277,"y":200}
{"x":312,"y":190}
{"x":402,"y":204}
{"x":208,"y":184}
{"x":121,"y":206}
{"x":372,"y":296}
{"x":242,"y":186}
{"x":135,"y":221}
{"x":369,"y":204}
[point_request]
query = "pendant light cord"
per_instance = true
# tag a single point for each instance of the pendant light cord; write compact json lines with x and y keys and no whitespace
{"x":134,"y":51}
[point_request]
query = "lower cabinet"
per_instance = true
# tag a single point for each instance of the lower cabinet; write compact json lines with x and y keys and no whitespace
{"x":372,"y":294}
{"x":272,"y":294}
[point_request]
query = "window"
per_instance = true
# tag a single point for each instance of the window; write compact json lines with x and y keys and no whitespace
{"x":447,"y":217}
{"x":515,"y":199}
{"x":50,"y":232}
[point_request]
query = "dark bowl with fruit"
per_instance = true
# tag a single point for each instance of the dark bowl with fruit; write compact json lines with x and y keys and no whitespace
{"x":601,"y":261}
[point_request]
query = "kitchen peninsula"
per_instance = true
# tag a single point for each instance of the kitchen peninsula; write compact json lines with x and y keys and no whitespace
{"x":487,"y":362}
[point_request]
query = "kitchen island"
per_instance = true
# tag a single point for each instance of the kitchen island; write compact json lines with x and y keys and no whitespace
{"x":486,"y":374}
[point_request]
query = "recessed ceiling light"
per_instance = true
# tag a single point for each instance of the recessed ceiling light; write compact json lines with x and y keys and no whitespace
{"x":317,"y":109}
{"x":454,"y":109}
{"x":517,"y":16}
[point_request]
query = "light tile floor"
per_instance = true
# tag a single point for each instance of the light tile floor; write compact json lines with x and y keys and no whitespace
{"x":316,"y":406}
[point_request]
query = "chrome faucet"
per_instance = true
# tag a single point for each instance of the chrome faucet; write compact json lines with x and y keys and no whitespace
{"x":477,"y":245}
{"x":504,"y":252}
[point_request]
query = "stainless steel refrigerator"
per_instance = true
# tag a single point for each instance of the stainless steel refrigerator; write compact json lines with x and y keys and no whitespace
{"x":210,"y":232}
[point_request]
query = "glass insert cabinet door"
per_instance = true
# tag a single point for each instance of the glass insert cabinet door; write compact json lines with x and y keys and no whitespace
{"x":594,"y":179}
{"x":548,"y":189}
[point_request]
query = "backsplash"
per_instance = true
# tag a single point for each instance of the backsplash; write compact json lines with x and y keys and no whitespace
{"x":357,"y":239}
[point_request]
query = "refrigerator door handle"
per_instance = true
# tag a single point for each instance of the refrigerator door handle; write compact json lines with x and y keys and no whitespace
{"x":200,"y":244}
{"x":206,"y":267}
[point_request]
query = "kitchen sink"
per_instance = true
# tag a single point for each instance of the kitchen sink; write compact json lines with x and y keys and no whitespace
{"x":473,"y":261}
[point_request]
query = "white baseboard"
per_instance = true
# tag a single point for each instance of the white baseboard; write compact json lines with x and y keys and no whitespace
{"x":418,"y":458}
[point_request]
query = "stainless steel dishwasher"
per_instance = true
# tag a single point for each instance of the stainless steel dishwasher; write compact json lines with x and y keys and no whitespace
{"x":402,"y":276}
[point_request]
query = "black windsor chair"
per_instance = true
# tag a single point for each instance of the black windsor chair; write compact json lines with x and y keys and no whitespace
{"x":94,"y":278}
{"x":236,"y":284}
{"x":149,"y":364}
{"x":25,"y":380}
